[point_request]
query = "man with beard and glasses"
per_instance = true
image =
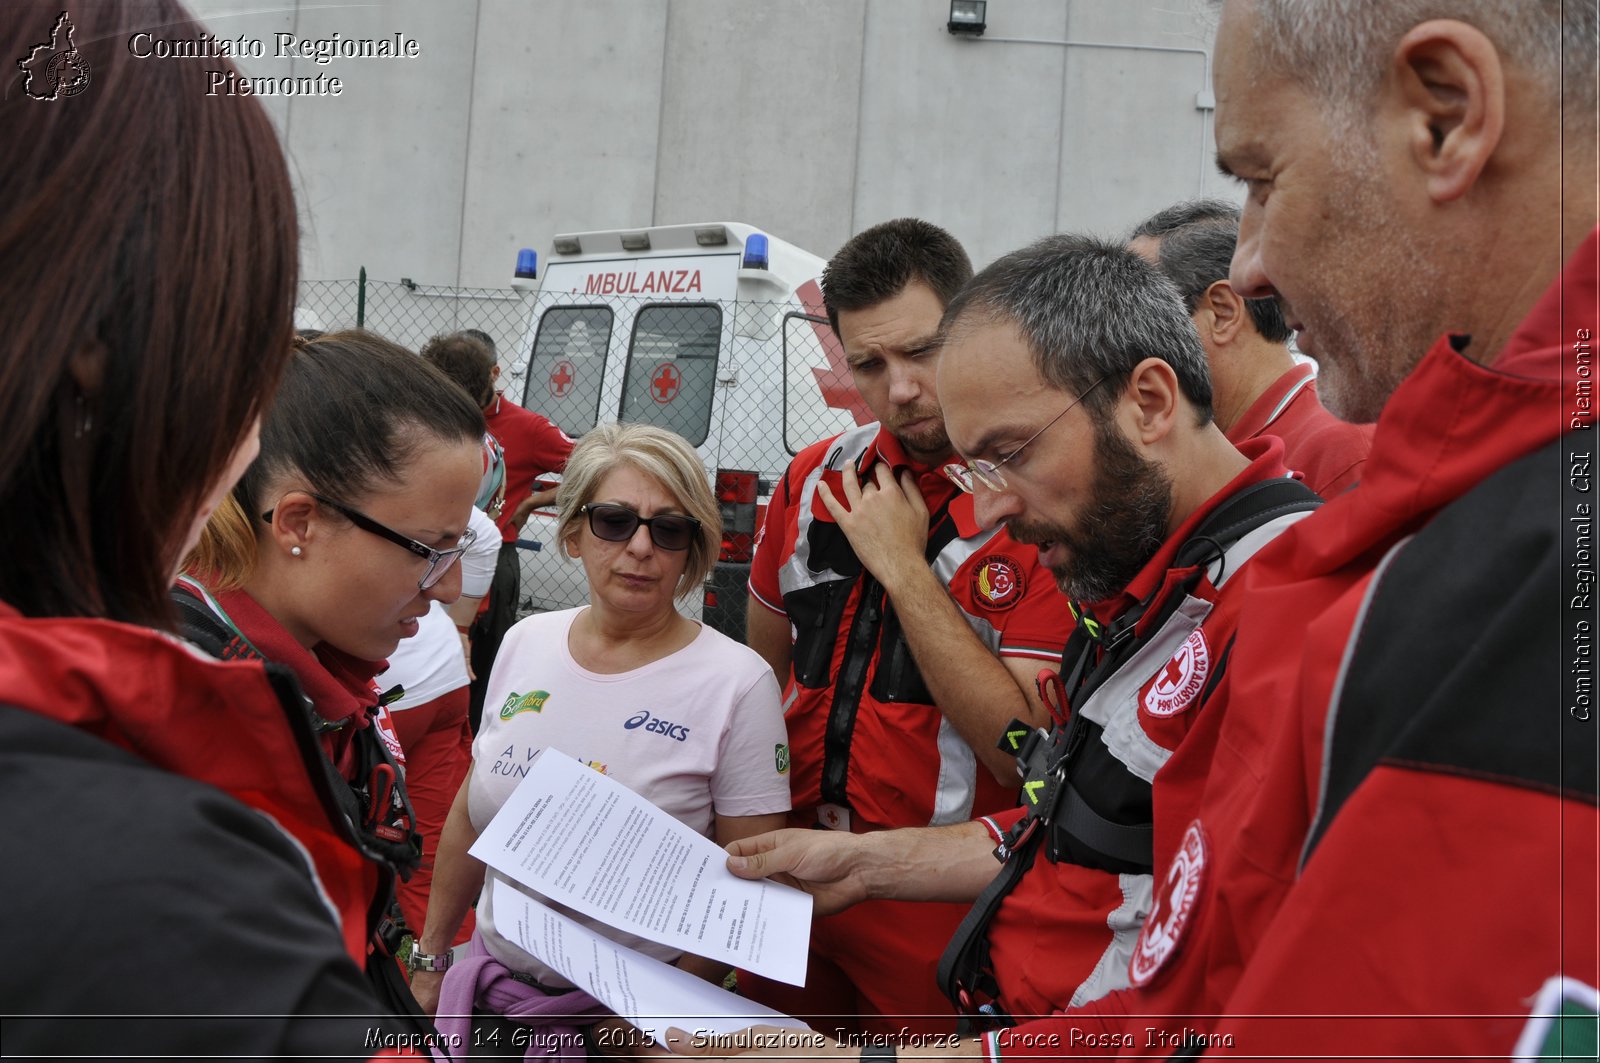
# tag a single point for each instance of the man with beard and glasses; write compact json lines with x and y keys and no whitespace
{"x":1073,"y":383}
{"x":906,"y":634}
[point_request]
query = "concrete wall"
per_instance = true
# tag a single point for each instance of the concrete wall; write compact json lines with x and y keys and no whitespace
{"x":810,"y":118}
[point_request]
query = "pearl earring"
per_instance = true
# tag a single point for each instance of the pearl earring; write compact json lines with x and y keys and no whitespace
{"x":295,"y":551}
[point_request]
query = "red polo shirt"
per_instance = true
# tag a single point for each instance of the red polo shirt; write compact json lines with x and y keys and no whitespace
{"x":1327,"y":453}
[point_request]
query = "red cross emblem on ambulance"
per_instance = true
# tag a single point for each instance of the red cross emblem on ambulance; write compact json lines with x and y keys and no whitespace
{"x":1175,"y":687}
{"x":561,"y":378}
{"x":664,"y":383}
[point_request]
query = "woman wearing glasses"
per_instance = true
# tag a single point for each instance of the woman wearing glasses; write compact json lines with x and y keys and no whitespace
{"x":670,"y":708}
{"x":329,"y":551}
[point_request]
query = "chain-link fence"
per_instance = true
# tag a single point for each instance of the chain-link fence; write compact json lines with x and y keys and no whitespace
{"x":748,"y":383}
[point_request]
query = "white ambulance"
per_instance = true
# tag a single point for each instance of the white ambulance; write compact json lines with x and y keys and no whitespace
{"x":715,"y":331}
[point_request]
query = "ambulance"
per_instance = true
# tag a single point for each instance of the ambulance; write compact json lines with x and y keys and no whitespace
{"x":715,"y":331}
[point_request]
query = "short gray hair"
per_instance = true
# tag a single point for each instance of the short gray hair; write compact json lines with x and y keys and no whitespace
{"x":1195,"y":244}
{"x":1089,"y":309}
{"x":1340,"y":48}
{"x":665,"y":457}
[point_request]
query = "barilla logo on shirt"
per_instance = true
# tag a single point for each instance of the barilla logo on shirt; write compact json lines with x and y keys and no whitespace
{"x":780,"y":757}
{"x":656,"y":725}
{"x":516,"y":703}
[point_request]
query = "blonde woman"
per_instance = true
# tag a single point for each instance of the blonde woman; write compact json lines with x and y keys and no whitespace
{"x":670,"y":708}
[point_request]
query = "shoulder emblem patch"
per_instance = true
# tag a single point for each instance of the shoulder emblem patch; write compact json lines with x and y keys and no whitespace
{"x":780,"y":757}
{"x":533,"y":702}
{"x":1175,"y":687}
{"x":997,"y":582}
{"x":1173,"y":908}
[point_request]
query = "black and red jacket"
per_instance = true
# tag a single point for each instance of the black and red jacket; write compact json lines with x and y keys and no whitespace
{"x":169,"y":855}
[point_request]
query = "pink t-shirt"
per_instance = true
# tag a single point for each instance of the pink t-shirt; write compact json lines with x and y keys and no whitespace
{"x":699,"y":733}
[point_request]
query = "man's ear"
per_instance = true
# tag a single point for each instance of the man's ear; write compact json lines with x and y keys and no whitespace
{"x":1222,"y":312}
{"x":1449,"y":84}
{"x":1153,"y":389}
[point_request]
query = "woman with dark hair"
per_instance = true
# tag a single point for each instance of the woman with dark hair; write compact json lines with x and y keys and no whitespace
{"x":148,"y":258}
{"x":332,"y":548}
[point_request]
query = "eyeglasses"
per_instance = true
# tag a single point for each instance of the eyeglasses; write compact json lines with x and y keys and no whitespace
{"x":616,"y":524}
{"x":967,"y":475}
{"x":439,"y":561}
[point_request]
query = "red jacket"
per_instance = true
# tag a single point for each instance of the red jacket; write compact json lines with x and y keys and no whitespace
{"x":1445,"y":865}
{"x":181,"y":716}
{"x":1064,"y":933}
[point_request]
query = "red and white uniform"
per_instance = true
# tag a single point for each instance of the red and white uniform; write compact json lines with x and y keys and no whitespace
{"x":871,"y":751}
{"x":1326,"y":895}
{"x":1065,"y":933}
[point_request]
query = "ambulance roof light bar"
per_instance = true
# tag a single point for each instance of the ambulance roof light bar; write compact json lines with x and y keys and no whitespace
{"x":755,"y":252}
{"x":528,"y":264}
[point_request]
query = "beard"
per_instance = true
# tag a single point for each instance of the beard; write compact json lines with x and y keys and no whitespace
{"x":928,"y":443}
{"x":1122,"y":527}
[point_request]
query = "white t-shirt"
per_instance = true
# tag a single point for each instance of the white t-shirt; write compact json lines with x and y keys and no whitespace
{"x":430,"y":663}
{"x":700,"y":733}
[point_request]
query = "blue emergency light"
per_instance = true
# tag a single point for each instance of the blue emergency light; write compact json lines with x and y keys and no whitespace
{"x":528,"y":263}
{"x":755,"y":252}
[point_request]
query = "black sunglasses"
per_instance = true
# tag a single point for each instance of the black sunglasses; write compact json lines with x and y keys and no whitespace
{"x":616,"y":524}
{"x":439,"y":561}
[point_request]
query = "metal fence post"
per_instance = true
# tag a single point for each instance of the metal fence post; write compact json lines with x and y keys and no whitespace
{"x":361,"y":298}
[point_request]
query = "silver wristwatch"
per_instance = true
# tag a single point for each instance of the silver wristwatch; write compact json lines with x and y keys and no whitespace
{"x":422,"y":961}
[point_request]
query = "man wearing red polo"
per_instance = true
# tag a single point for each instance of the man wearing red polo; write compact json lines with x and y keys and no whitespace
{"x":1259,"y":388}
{"x":907,"y":636}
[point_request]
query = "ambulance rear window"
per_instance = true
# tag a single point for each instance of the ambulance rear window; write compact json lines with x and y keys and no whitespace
{"x":672,"y":368}
{"x":568,"y":364}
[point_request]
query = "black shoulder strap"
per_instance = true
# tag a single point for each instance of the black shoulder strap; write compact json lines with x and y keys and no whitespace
{"x":200,"y":625}
{"x":1242,"y":514}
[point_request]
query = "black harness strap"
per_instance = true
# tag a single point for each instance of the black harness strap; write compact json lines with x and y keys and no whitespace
{"x":1057,"y":811}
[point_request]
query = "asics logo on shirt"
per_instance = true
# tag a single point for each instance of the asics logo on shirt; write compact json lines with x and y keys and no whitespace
{"x":656,"y":725}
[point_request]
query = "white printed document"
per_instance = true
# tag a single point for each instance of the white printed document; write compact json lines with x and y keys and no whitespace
{"x":648,"y":993}
{"x":592,"y":844}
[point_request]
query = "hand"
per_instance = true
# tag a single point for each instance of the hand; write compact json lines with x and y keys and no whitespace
{"x":823,"y":863}
{"x":425,"y":987}
{"x":886,"y":520}
{"x":770,"y":1042}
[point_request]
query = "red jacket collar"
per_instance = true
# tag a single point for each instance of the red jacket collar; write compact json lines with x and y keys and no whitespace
{"x":339,"y":685}
{"x":1453,"y":422}
{"x":218,"y":722}
{"x":1266,"y":463}
{"x":935,"y":485}
{"x":1270,"y":404}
